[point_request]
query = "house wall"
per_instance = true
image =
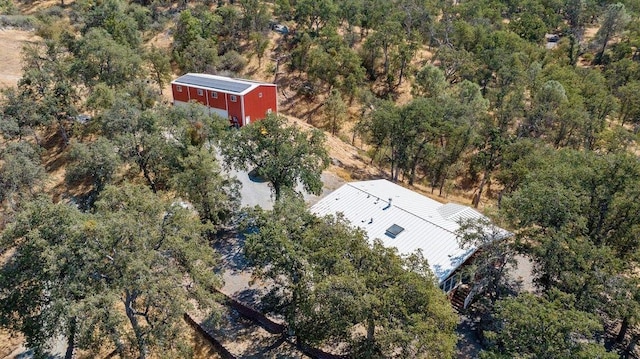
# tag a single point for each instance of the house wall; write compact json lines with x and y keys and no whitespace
{"x":256,"y":106}
{"x":180,"y":96}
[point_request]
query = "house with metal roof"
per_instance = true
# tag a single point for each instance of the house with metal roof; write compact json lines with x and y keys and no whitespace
{"x":406,"y":220}
{"x":241,"y":101}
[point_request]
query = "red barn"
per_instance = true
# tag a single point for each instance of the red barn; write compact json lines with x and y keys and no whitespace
{"x":241,"y":101}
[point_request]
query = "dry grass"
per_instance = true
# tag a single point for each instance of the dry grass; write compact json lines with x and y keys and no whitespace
{"x":9,"y":343}
{"x":33,"y":7}
{"x":11,"y":43}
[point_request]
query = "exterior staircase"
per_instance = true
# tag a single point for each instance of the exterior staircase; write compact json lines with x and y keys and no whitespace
{"x":459,"y":296}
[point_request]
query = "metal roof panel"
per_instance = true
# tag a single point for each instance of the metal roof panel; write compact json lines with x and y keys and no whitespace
{"x":377,"y":205}
{"x":221,"y":83}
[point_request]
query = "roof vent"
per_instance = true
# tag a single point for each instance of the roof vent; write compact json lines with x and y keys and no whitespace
{"x":394,"y":230}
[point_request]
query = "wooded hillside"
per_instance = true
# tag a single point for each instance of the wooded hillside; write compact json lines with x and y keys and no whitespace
{"x":112,"y":198}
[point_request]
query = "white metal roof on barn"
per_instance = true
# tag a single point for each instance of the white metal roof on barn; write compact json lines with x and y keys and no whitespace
{"x":220,"y":83}
{"x":375,"y":206}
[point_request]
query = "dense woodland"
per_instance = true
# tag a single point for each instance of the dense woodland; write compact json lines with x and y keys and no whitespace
{"x":461,"y":97}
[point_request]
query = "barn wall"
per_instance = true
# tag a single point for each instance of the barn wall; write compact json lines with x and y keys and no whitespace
{"x":256,"y":103}
{"x":256,"y":106}
{"x":235,"y":108}
{"x":219,"y":102}
{"x":180,"y":96}
{"x":193,"y":93}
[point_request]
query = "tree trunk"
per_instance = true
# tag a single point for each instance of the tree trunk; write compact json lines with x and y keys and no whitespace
{"x":385,"y":52}
{"x":208,"y":213}
{"x":147,"y":176}
{"x":623,"y":112}
{"x":63,"y":133}
{"x":291,"y":316}
{"x":142,"y":163}
{"x":159,"y":79}
{"x":334,"y":125}
{"x":483,"y":182}
{"x":355,"y":132}
{"x":374,"y":154}
{"x":604,"y":46}
{"x":402,"y":69}
{"x":414,"y":164}
{"x":443,"y":179}
{"x":277,"y":189}
{"x":623,"y":330}
{"x":571,"y":52}
{"x":631,"y":347}
{"x":371,"y":330}
{"x":35,"y":135}
{"x":412,"y":173}
{"x":275,"y":76}
{"x":71,"y":338}
{"x":393,"y":164}
{"x":130,"y":297}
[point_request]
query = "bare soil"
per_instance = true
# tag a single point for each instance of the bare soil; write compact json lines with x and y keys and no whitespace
{"x":11,"y":43}
{"x":9,"y":343}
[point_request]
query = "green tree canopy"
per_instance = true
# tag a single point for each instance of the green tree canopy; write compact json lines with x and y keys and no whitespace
{"x":614,"y":20}
{"x":214,"y":195}
{"x":430,"y":82}
{"x":123,"y":275}
{"x":21,"y":173}
{"x":100,"y":58}
{"x":283,"y":154}
{"x":539,"y":327}
{"x":96,"y":162}
{"x":573,"y":218}
{"x":332,"y":286}
{"x":335,"y":112}
{"x":112,"y":16}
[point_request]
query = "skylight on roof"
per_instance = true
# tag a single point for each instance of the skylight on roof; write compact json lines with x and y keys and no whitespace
{"x":394,"y":230}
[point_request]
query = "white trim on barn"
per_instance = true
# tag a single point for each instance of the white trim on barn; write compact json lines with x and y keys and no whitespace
{"x":405,"y":220}
{"x":223,"y":84}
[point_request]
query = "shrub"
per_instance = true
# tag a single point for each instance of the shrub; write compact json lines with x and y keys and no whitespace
{"x":7,"y":7}
{"x":17,"y":21}
{"x":232,"y":61}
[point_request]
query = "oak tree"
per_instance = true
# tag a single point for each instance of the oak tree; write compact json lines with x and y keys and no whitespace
{"x":544,"y":327}
{"x":123,"y":275}
{"x":283,"y":154}
{"x":328,"y":280}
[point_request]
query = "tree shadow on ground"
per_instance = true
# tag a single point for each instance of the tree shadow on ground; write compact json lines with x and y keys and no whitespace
{"x":469,"y":344}
{"x":255,"y":176}
{"x":251,"y":297}
{"x":231,"y":251}
{"x":245,"y":339}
